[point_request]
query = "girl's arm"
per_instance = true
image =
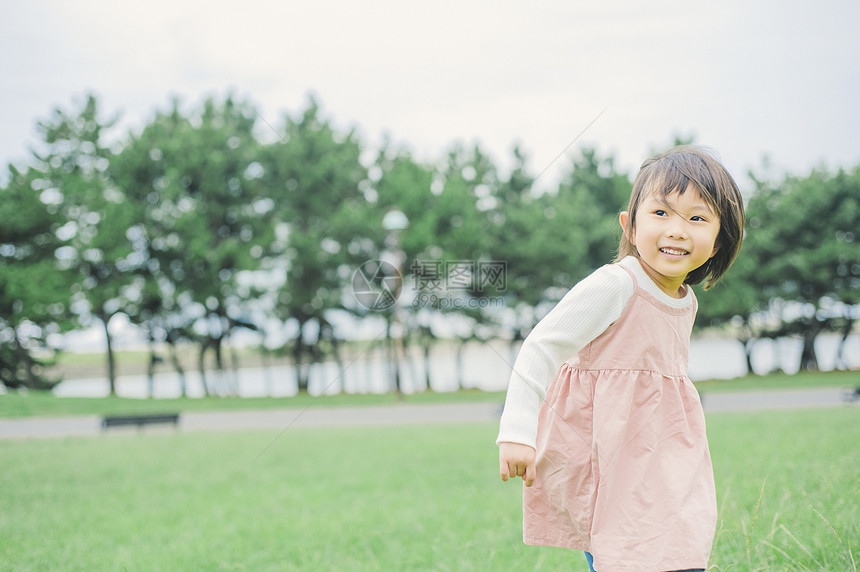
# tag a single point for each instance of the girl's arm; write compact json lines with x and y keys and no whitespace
{"x":583,"y":314}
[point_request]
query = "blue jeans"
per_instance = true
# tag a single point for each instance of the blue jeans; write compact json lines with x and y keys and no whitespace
{"x":590,"y":560}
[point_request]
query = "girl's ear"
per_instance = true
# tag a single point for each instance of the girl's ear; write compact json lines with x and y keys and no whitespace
{"x":623,"y":218}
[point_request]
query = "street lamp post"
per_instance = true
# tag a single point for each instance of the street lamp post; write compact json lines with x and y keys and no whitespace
{"x":394,"y":222}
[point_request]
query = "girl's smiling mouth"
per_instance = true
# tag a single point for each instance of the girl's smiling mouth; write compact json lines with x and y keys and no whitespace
{"x":674,"y":251}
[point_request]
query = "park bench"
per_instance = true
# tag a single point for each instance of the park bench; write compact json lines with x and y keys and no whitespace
{"x":139,"y":420}
{"x":851,"y":395}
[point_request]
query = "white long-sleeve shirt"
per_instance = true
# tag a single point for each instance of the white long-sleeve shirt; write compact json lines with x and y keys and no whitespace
{"x":594,"y":304}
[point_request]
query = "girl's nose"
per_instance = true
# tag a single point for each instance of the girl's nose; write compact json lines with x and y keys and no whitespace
{"x":676,"y":229}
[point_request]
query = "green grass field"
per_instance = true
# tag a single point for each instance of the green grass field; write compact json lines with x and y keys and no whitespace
{"x":396,"y":498}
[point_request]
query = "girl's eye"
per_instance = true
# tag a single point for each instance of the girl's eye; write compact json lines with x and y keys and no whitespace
{"x":659,"y":212}
{"x":698,"y":218}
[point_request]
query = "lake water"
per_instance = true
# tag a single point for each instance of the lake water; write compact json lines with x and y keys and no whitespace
{"x":485,"y":366}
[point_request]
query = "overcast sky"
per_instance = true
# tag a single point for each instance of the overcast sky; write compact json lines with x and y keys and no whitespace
{"x":749,"y":79}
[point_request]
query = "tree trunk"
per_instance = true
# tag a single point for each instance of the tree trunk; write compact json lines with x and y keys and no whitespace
{"x":841,"y":362}
{"x":302,"y":376}
{"x":31,"y":381}
{"x":426,"y":342}
{"x":367,"y":382}
{"x":748,"y":348}
{"x":408,"y":361}
{"x":221,"y":386}
{"x":150,"y":369}
{"x":234,"y":368}
{"x":746,"y":339}
{"x":174,"y":358}
{"x":266,"y":359}
{"x":111,"y":362}
{"x":394,"y":359}
{"x":808,"y":359}
{"x":201,"y":364}
{"x":338,"y":359}
{"x":461,"y":348}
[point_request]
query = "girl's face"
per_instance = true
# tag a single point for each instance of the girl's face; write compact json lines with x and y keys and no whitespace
{"x":674,"y":235}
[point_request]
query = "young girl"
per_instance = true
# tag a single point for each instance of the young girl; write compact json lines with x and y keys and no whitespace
{"x":613,"y":452}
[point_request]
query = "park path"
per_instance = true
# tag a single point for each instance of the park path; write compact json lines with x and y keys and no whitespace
{"x":399,"y":414}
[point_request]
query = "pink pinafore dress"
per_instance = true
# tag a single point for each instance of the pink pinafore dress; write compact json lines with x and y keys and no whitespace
{"x":623,"y":469}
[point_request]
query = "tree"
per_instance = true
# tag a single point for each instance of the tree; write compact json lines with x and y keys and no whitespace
{"x":201,"y":212}
{"x":802,"y":240}
{"x":467,"y":184}
{"x":319,"y":228}
{"x":75,"y":172}
{"x":596,"y":192}
{"x":28,"y":314}
{"x":516,"y":226}
{"x":161,"y":306}
{"x":400,"y":183}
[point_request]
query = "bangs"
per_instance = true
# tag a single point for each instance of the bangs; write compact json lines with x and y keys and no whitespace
{"x":676,"y":173}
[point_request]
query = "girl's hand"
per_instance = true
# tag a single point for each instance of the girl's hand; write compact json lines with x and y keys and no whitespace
{"x":517,"y":460}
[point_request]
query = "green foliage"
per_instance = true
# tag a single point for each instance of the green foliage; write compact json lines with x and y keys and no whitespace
{"x":74,"y":168}
{"x":402,"y":183}
{"x":319,"y":227}
{"x":802,"y":236}
{"x":313,"y":178}
{"x":804,"y":258}
{"x":33,"y":292}
{"x":200,"y":215}
{"x":205,"y":221}
{"x":553,"y":240}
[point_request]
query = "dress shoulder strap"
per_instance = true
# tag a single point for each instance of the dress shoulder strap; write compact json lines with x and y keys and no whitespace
{"x":632,"y":276}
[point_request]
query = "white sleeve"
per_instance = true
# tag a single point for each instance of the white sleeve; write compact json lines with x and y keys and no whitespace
{"x":584,"y":313}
